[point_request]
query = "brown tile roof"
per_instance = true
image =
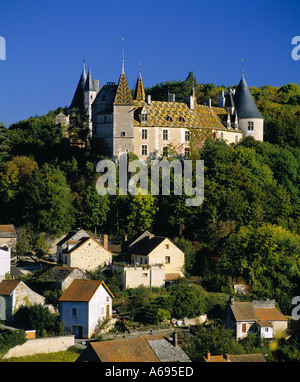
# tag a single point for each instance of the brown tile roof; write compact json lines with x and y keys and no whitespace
{"x":82,"y":290}
{"x":8,"y":286}
{"x":236,"y":358}
{"x":172,"y":276}
{"x":127,"y":350}
{"x":7,"y":230}
{"x":269,"y":314}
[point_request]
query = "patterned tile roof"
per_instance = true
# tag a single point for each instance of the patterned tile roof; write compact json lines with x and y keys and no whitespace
{"x":123,"y":94}
{"x":178,"y":114}
{"x":139,"y":94}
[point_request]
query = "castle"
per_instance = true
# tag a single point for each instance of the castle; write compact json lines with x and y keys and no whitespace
{"x":146,"y":127}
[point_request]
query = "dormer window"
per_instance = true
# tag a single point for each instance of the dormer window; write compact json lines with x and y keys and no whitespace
{"x":169,"y":118}
{"x":144,"y":115}
{"x":181,"y":119}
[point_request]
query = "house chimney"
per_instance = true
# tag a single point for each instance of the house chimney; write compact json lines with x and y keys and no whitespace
{"x":221,"y":100}
{"x":227,"y":357}
{"x":105,"y":241}
{"x":231,"y":300}
{"x":208,"y":102}
{"x":208,"y":356}
{"x":175,"y":339}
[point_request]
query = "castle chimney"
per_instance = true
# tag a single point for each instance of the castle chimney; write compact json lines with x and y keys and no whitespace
{"x":149,"y":99}
{"x":171,"y":97}
{"x":175,"y":339}
{"x":105,"y":241}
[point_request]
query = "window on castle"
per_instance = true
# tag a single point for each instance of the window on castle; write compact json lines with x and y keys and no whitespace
{"x":144,"y":117}
{"x":103,"y":98}
{"x":169,"y":118}
{"x":144,"y":134}
{"x":165,"y":135}
{"x":144,"y":150}
{"x":187,"y":135}
{"x":165,"y":151}
{"x":123,"y":134}
{"x":250,"y":126}
{"x":182,"y":119}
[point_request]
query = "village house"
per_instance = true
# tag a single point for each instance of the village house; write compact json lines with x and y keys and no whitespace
{"x":84,"y":305}
{"x":61,"y":277}
{"x":8,"y":235}
{"x":155,"y":348}
{"x":154,"y":261}
{"x":255,"y":316}
{"x":86,"y":254}
{"x":13,"y":295}
{"x":71,"y":236}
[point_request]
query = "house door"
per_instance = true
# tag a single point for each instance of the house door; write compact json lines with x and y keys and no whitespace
{"x":77,"y":331}
{"x":107,"y":310}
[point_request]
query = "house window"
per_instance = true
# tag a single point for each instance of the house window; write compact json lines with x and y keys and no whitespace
{"x":107,"y":298}
{"x":166,"y":246}
{"x":144,"y":134}
{"x":186,"y":152}
{"x":244,"y":328}
{"x":74,"y":312}
{"x":165,"y":151}
{"x":167,"y":260}
{"x":165,"y":135}
{"x":145,"y":274}
{"x":123,"y":134}
{"x":250,"y":126}
{"x":266,"y":329}
{"x":236,"y":139}
{"x":144,"y":150}
{"x":187,"y":136}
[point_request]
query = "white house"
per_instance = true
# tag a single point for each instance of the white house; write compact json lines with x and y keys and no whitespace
{"x":5,"y":254}
{"x":84,"y":305}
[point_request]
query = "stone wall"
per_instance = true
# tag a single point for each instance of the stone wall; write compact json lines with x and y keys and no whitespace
{"x":41,"y":346}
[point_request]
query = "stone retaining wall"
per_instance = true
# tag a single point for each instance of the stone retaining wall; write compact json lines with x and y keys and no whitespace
{"x":41,"y":346}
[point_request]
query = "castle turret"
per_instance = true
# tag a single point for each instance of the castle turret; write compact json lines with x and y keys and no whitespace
{"x":78,"y":99}
{"x":123,"y":112}
{"x":139,"y":94}
{"x":251,"y":121}
{"x":89,"y":95}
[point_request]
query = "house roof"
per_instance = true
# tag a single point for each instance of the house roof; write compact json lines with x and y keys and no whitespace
{"x":82,"y":241}
{"x":8,"y":286}
{"x":83,"y":290}
{"x":145,"y":246}
{"x":60,"y":273}
{"x":243,"y":311}
{"x":157,"y":348}
{"x":128,"y":350}
{"x":236,"y":358}
{"x":74,"y":235}
{"x":7,"y":230}
{"x":77,"y":100}
{"x":269,"y":314}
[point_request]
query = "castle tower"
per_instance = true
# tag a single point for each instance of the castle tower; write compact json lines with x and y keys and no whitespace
{"x":77,"y":101}
{"x":89,"y":95}
{"x":250,"y":121}
{"x":123,"y":111}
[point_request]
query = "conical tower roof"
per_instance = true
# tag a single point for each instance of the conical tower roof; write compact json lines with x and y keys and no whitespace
{"x":78,"y":96}
{"x":244,"y":102}
{"x":139,"y":94}
{"x":89,"y":85}
{"x":123,"y":94}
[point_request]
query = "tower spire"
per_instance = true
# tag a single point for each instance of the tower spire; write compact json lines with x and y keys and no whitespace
{"x":139,"y":94}
{"x":243,"y":71}
{"x":123,"y":59}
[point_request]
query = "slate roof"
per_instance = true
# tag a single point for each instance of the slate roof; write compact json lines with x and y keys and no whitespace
{"x":244,"y":102}
{"x":145,"y":246}
{"x":60,"y":273}
{"x":77,"y":101}
{"x":83,"y":290}
{"x":73,"y":235}
{"x":89,"y":85}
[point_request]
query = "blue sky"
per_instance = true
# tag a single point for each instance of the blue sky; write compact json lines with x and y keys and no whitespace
{"x":45,"y":41}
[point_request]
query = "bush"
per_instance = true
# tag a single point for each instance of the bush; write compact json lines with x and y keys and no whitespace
{"x":11,"y":339}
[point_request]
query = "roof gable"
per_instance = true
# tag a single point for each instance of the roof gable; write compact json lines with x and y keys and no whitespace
{"x":85,"y":240}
